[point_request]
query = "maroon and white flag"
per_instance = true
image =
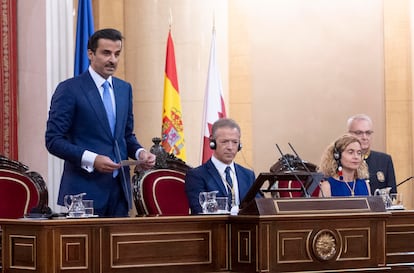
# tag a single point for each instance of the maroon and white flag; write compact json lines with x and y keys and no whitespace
{"x":214,"y":107}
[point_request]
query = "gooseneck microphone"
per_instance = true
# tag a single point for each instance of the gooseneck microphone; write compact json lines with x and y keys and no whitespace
{"x":405,"y":180}
{"x":293,"y":172}
{"x":306,"y":168}
{"x":301,"y":161}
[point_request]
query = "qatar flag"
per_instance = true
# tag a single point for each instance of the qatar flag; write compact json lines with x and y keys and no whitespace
{"x":214,"y":107}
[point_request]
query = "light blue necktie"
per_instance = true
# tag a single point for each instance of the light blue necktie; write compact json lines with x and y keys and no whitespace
{"x":229,"y":185}
{"x":106,"y":97}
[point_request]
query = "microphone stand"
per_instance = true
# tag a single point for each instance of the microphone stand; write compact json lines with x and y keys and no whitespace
{"x":293,"y":172}
{"x":306,"y":168}
{"x":124,"y":180}
{"x":405,"y":180}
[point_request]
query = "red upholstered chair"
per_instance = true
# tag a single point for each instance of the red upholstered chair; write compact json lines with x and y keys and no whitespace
{"x":293,"y":189}
{"x":161,"y":191}
{"x":21,"y":191}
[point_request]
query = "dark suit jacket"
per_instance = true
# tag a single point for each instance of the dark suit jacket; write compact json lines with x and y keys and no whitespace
{"x":381,"y":171}
{"x":207,"y":178}
{"x":78,"y":122}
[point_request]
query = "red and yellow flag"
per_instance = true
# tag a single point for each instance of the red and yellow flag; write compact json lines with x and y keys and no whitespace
{"x":172,"y":123}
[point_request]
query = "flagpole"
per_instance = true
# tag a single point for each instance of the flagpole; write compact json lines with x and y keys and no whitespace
{"x":170,"y":20}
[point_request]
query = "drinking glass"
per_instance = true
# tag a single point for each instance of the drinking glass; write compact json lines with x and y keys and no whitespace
{"x":88,"y":204}
{"x":396,"y":199}
{"x":222,"y":204}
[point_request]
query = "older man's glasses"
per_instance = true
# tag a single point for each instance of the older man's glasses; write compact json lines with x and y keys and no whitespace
{"x":360,"y":133}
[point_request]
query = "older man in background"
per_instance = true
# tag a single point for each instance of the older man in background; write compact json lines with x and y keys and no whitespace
{"x":381,"y":168}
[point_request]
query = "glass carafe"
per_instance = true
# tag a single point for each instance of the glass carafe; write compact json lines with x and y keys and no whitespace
{"x":74,"y":204}
{"x":385,"y":194}
{"x":208,"y":201}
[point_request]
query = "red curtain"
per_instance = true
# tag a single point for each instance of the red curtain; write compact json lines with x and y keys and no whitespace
{"x":8,"y":83}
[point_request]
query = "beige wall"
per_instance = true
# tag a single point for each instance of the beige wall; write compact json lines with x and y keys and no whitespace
{"x":32,"y":112}
{"x":293,"y":71}
{"x":312,"y":65}
{"x":297,"y":69}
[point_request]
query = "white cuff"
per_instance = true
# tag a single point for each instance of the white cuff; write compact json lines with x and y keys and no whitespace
{"x":88,"y":158}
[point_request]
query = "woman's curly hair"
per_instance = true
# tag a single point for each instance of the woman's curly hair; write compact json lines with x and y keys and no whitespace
{"x":329,"y":164}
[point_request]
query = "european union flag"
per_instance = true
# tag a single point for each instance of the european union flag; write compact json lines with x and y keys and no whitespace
{"x":84,"y":29}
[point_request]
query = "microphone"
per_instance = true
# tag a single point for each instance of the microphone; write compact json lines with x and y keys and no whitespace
{"x":293,"y":172}
{"x":307,"y":170}
{"x":301,"y":161}
{"x":405,"y":180}
{"x":124,"y":180}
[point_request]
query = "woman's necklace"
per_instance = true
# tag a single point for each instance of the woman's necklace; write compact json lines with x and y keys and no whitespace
{"x":352,"y":190}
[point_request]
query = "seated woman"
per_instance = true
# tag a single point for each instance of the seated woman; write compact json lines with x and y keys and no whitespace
{"x":345,"y":170}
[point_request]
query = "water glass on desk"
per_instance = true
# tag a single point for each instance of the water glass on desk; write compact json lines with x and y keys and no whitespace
{"x":222,"y":205}
{"x":88,"y":204}
{"x":397,"y":199}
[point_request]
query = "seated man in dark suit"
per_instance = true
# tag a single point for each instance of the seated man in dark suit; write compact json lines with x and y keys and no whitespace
{"x":380,"y":166}
{"x":220,"y":173}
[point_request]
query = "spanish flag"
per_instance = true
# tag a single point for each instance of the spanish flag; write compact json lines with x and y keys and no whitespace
{"x":172,"y":123}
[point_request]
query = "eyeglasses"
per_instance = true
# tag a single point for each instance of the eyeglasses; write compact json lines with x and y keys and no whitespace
{"x":360,"y":133}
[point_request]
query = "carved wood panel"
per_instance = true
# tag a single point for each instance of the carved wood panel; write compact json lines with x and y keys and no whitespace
{"x":8,"y":79}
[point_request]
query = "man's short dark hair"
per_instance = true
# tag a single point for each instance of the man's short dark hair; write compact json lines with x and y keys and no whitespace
{"x":106,"y":33}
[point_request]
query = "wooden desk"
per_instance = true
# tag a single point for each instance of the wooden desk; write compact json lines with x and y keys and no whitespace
{"x":245,"y":243}
{"x":400,"y":239}
{"x":151,"y":244}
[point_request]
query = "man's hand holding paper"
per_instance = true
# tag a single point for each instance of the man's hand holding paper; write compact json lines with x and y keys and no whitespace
{"x":146,"y":160}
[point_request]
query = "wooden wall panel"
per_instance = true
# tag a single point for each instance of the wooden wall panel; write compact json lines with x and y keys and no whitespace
{"x":398,"y":91}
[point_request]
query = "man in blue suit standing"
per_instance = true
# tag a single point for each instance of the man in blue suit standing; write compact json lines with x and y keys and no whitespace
{"x":90,"y":126}
{"x":220,"y":173}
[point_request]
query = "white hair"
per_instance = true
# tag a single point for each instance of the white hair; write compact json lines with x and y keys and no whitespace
{"x":358,"y":117}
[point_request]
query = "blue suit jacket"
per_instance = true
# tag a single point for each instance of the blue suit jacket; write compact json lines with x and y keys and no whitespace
{"x":207,"y":178}
{"x":78,"y":122}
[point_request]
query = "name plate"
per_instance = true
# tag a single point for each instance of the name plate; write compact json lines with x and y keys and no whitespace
{"x":269,"y":206}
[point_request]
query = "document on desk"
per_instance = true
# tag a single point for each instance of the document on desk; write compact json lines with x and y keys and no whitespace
{"x":131,"y":162}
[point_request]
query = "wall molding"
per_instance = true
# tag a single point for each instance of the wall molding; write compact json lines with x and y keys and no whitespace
{"x":8,"y":83}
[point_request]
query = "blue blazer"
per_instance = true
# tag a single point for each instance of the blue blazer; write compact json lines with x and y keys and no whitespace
{"x":207,"y":178}
{"x":78,"y":122}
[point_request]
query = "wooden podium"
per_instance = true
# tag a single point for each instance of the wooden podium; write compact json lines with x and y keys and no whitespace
{"x":309,"y":234}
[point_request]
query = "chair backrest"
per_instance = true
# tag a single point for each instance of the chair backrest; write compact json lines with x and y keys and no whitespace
{"x":292,"y":188}
{"x":163,"y":193}
{"x":21,"y":191}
